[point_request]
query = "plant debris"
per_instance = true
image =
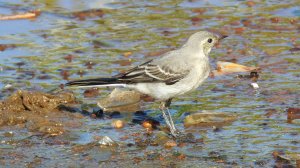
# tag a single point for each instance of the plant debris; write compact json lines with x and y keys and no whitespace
{"x":224,"y":68}
{"x":27,"y":15}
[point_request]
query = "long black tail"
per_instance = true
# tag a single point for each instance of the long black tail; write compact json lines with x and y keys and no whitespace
{"x":94,"y":82}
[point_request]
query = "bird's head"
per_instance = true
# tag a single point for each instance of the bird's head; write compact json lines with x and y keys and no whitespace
{"x":203,"y":41}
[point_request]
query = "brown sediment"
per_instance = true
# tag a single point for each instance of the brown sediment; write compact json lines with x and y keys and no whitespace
{"x":82,"y":15}
{"x":36,"y":110}
{"x":3,"y":47}
{"x":292,"y":114}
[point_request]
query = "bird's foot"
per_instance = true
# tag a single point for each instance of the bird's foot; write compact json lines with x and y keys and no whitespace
{"x":175,"y":133}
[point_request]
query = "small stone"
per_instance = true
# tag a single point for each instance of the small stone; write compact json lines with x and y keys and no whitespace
{"x":106,"y":141}
{"x":254,"y":85}
{"x":170,"y":144}
{"x":127,"y":54}
{"x":147,"y":125}
{"x":121,"y":100}
{"x":118,"y":124}
{"x":7,"y":86}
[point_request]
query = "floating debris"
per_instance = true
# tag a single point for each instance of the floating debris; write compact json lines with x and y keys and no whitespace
{"x":27,"y":15}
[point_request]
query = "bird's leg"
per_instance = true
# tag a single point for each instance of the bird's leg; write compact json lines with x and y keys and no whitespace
{"x":162,"y":108}
{"x":167,"y":105}
{"x":167,"y":116}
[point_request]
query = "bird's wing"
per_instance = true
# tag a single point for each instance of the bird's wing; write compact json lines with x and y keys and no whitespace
{"x":151,"y":72}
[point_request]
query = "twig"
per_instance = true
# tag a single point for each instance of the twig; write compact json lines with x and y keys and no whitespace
{"x":28,"y":15}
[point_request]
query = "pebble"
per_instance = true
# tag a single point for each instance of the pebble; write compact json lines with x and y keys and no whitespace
{"x":254,"y":85}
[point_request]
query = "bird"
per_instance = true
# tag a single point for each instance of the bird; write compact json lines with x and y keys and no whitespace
{"x":172,"y":74}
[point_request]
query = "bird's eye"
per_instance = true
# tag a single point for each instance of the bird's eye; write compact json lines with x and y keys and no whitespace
{"x":209,"y":40}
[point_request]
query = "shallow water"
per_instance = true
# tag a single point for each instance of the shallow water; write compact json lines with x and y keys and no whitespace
{"x":38,"y":62}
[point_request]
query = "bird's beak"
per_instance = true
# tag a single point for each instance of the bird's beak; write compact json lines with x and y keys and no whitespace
{"x":221,"y":37}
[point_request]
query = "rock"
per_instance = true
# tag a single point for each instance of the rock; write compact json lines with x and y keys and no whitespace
{"x":121,"y":101}
{"x":107,"y":141}
{"x":208,"y":119}
{"x":289,"y":159}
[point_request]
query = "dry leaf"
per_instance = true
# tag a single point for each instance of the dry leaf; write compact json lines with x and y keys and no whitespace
{"x":224,"y":68}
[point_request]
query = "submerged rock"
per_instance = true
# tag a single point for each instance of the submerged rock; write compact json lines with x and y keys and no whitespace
{"x":208,"y":119}
{"x":121,"y":101}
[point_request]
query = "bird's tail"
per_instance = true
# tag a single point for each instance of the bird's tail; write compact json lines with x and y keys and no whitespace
{"x":98,"y":82}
